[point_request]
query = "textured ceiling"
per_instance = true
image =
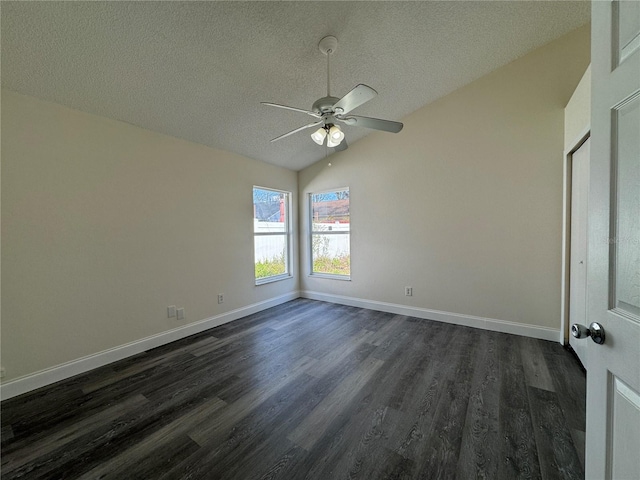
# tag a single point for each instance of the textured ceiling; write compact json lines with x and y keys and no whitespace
{"x":199,"y":70}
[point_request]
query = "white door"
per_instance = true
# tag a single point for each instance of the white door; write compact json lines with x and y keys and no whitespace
{"x":578,"y":263}
{"x":613,"y":276}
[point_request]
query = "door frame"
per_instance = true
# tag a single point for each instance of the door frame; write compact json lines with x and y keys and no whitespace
{"x":565,"y":277}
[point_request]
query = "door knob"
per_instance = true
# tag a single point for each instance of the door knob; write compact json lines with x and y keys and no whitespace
{"x":595,"y":331}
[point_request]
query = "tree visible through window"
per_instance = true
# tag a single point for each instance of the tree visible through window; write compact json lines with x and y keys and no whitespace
{"x":330,"y":232}
{"x":271,"y":233}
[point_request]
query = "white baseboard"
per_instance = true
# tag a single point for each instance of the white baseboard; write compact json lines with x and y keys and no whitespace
{"x":502,"y":326}
{"x":66,"y":370}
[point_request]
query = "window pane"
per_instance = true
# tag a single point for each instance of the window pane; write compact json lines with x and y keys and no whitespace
{"x":271,"y":233}
{"x":330,"y":211}
{"x":331,"y":254}
{"x":269,"y":211}
{"x":270,"y":255}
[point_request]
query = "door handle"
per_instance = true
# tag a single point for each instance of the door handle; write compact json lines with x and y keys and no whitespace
{"x":595,"y":331}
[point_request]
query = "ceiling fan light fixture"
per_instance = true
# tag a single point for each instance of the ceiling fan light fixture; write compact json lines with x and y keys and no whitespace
{"x":336,"y":134}
{"x":319,"y":135}
{"x":332,"y":143}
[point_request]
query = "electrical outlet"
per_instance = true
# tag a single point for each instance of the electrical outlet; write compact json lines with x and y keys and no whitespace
{"x":171,"y":311}
{"x":408,"y":291}
{"x":180,"y":313}
{"x":221,"y":298}
{"x":2,"y":372}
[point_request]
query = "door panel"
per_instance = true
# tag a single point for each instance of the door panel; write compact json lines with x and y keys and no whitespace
{"x":626,"y":214}
{"x":613,"y":276}
{"x":625,"y":414}
{"x":626,"y":16}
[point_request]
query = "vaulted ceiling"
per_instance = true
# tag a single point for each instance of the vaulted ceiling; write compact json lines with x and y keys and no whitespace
{"x":199,"y":70}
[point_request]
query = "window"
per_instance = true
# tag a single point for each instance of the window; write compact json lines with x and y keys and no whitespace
{"x":271,"y":234}
{"x":330,"y":233}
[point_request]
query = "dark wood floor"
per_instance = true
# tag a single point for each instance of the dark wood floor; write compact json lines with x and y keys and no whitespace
{"x":311,"y":390}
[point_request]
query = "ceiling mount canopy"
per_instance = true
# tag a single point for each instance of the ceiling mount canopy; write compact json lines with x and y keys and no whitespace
{"x":330,"y":110}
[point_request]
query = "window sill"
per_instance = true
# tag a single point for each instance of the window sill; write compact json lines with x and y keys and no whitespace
{"x":344,"y":278}
{"x":275,"y":278}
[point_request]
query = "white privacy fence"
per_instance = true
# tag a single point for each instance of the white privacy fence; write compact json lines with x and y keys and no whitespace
{"x":268,"y":247}
{"x":333,"y":244}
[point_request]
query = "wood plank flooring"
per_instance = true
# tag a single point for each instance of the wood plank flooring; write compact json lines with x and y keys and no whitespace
{"x":311,"y":390}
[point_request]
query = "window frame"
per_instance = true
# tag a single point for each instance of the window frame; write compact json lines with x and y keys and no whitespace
{"x":287,"y":234}
{"x":334,"y":276}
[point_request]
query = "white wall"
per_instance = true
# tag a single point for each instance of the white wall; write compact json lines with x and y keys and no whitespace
{"x":465,"y":204}
{"x":105,"y":224}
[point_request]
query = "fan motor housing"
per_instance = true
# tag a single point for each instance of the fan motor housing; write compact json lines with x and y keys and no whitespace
{"x":324,"y":105}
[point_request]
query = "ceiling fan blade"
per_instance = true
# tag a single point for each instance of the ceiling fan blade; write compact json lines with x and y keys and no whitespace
{"x":315,"y":124}
{"x":342,"y":146}
{"x":308,"y":112}
{"x":356,"y":97}
{"x":375,"y":123}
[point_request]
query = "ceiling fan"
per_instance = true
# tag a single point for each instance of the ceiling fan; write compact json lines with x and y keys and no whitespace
{"x":330,"y":110}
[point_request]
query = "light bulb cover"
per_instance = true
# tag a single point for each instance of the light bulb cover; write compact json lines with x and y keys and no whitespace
{"x":336,"y":134}
{"x":332,"y":143}
{"x":319,"y":135}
